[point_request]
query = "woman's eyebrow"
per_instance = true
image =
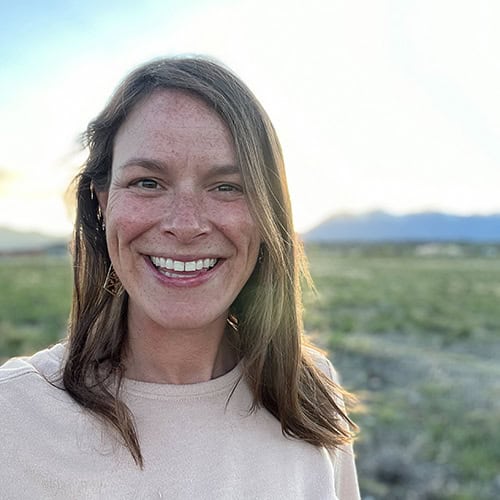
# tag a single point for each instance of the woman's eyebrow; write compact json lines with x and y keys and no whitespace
{"x":223,"y":170}
{"x":148,"y":163}
{"x":161,"y":166}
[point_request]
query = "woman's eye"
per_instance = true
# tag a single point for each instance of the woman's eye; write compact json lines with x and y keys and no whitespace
{"x":228,"y":188}
{"x":147,"y":184}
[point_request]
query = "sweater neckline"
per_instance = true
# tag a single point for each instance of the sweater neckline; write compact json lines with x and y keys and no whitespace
{"x":149,"y":390}
{"x":161,"y":391}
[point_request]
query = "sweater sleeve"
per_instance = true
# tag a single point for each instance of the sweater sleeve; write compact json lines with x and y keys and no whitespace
{"x":346,"y":478}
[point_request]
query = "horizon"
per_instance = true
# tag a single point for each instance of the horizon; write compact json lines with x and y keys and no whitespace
{"x":327,"y":219}
{"x":393,"y":107}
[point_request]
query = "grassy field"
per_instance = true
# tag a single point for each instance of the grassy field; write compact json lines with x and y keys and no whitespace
{"x":35,"y":295}
{"x":417,"y":338}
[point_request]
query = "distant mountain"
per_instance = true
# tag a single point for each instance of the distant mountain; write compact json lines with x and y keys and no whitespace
{"x":20,"y":241}
{"x":420,"y":227}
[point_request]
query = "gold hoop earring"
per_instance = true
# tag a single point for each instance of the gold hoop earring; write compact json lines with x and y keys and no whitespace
{"x":112,"y":283}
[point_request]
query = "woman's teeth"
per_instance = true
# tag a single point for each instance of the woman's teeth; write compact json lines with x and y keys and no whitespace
{"x":178,"y":265}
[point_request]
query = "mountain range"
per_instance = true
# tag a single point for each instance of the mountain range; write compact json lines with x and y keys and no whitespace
{"x":370,"y":227}
{"x":20,"y":241}
{"x":381,"y":226}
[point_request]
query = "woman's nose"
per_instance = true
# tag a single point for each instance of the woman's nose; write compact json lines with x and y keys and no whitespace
{"x":185,"y":217}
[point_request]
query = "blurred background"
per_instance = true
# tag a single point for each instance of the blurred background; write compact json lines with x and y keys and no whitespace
{"x":389,"y":117}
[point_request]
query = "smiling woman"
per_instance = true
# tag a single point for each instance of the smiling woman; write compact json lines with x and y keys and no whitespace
{"x":185,"y":373}
{"x":176,"y":194}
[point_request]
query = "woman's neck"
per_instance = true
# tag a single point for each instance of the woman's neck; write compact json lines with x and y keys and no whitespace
{"x":154,"y":354}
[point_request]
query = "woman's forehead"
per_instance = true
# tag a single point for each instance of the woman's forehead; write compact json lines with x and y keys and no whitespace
{"x":173,"y":123}
{"x":173,"y":107}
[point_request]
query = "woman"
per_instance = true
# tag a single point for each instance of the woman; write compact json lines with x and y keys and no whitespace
{"x":185,"y":374}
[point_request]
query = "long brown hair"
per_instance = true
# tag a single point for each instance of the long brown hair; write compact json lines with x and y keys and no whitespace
{"x":268,"y":311}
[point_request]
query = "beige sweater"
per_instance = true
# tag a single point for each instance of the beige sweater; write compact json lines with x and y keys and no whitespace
{"x":194,"y":445}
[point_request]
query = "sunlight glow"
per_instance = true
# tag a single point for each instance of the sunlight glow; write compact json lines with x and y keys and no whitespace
{"x":390,"y":106}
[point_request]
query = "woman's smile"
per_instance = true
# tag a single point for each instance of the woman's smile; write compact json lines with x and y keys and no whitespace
{"x":192,"y":272}
{"x":166,"y":263}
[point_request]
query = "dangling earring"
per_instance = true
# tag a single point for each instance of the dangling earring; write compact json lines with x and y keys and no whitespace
{"x":100,"y":219}
{"x":112,"y":283}
{"x":260,"y":258}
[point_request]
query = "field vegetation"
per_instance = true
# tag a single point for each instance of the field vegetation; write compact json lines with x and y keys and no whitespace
{"x":35,"y":296}
{"x":414,"y":334}
{"x":417,"y":338}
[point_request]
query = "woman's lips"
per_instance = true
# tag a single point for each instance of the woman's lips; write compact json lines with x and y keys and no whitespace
{"x":185,"y":271}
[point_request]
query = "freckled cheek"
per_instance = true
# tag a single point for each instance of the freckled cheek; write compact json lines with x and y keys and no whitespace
{"x":128,"y":218}
{"x":241,"y":229}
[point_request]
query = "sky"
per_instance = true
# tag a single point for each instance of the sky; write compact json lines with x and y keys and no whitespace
{"x":379,"y":104}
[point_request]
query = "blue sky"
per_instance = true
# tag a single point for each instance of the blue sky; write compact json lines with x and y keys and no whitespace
{"x":38,"y":37}
{"x":379,"y":104}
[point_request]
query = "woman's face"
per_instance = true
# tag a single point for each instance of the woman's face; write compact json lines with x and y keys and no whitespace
{"x":178,"y":227}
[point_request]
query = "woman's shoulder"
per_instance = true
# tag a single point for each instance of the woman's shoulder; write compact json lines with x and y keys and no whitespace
{"x":20,"y":372}
{"x":320,"y":360}
{"x":30,"y":394}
